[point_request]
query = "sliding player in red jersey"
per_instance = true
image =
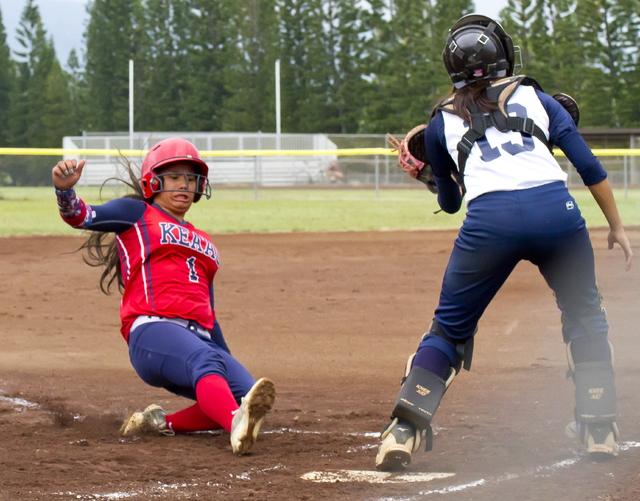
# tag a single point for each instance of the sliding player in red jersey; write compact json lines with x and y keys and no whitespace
{"x":165,"y":268}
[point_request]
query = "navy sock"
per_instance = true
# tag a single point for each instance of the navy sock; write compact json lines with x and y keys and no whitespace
{"x":433,"y":360}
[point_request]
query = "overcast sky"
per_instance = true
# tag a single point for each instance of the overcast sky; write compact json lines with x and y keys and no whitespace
{"x":65,"y":20}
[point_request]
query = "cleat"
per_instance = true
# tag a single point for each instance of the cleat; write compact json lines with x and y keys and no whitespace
{"x":151,"y":420}
{"x":248,"y":419}
{"x":601,"y":439}
{"x":398,"y":445}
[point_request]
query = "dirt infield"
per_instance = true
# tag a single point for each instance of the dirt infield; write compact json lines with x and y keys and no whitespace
{"x":331,"y":318}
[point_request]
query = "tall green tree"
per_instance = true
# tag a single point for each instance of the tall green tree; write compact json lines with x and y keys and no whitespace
{"x":212,"y":51}
{"x":29,"y":99}
{"x":250,"y":82}
{"x":7,"y":77}
{"x":77,"y":92}
{"x":111,"y":41}
{"x":161,"y":64}
{"x":406,"y":55}
{"x":57,"y":116}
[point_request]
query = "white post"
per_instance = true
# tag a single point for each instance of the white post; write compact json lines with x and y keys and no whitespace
{"x":278,"y":116}
{"x":130,"y":104}
{"x":377,"y":178}
{"x":624,"y":166}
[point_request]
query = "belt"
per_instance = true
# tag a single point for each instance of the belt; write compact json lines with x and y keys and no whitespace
{"x":194,"y":327}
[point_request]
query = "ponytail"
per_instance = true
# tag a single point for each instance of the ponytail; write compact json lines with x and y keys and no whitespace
{"x":102,"y":247}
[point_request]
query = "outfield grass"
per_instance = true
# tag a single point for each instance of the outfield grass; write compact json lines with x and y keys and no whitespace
{"x":33,"y":211}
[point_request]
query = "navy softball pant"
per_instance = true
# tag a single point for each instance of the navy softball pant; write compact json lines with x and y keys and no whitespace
{"x":169,"y":356}
{"x":542,"y":225}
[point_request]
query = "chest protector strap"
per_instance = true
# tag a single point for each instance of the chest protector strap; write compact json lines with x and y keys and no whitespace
{"x":500,"y":92}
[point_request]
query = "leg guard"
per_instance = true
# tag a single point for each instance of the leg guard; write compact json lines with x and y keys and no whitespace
{"x":595,"y":390}
{"x":595,"y":410}
{"x":419,"y":398}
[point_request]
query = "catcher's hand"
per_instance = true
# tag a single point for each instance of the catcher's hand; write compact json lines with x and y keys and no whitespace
{"x":412,"y":156}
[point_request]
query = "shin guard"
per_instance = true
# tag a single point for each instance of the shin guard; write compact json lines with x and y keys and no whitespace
{"x":595,"y":390}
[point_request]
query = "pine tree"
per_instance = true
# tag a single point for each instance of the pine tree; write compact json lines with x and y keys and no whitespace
{"x":406,"y":60}
{"x":112,"y":40}
{"x":605,"y":28}
{"x":57,"y":116}
{"x":162,"y":60}
{"x":250,"y":82}
{"x":77,"y":92}
{"x":212,"y":52}
{"x":7,"y":77}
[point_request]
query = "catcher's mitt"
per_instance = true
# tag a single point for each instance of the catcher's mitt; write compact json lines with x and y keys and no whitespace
{"x":569,"y":104}
{"x":412,"y":156}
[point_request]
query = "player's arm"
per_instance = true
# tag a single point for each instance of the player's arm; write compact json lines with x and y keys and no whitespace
{"x":114,"y":216}
{"x":449,"y":196}
{"x":563,"y":132}
{"x":604,"y":197}
{"x":216,"y":332}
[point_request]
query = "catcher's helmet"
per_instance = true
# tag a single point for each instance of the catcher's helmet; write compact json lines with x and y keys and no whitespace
{"x":169,"y":151}
{"x":478,"y":48}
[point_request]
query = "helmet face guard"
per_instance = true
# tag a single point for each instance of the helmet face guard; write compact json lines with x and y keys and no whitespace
{"x":170,"y":151}
{"x":201,"y":184}
{"x":478,"y":48}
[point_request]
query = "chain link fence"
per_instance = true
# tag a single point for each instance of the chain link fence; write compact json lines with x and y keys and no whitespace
{"x":255,"y":171}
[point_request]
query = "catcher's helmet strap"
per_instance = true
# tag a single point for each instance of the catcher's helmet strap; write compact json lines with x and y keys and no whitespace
{"x":482,"y":41}
{"x":484,"y":38}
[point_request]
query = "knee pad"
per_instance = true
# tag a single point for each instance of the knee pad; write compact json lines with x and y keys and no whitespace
{"x":595,"y":389}
{"x":463,"y":349}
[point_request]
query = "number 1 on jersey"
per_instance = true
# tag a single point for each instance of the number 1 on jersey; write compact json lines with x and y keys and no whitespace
{"x":193,"y":275}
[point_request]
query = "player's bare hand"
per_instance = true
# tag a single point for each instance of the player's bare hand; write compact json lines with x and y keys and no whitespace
{"x":620,"y":237}
{"x":66,"y":173}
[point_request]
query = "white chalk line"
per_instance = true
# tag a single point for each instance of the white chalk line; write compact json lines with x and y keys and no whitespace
{"x":536,"y":472}
{"x":20,"y":404}
{"x":164,"y":488}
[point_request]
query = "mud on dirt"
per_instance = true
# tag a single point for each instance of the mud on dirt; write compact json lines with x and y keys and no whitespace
{"x":331,"y":318}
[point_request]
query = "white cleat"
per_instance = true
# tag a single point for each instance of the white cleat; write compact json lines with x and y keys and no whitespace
{"x":601,"y":439}
{"x":247,"y":421}
{"x":151,"y":420}
{"x":398,"y":445}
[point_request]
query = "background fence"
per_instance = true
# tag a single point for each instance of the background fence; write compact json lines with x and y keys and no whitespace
{"x":250,"y":160}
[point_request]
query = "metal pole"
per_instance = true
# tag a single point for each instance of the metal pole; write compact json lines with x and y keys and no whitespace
{"x":255,"y":178}
{"x":632,"y":162}
{"x":278,"y":114}
{"x":130,"y":104}
{"x":625,"y":177}
{"x":258,"y":165}
{"x":386,"y":165}
{"x":377,"y":177}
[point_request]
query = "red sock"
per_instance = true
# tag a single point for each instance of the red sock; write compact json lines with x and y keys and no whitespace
{"x":216,"y":400}
{"x":191,"y":419}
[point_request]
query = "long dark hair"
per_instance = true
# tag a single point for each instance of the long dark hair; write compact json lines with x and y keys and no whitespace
{"x":469,"y":99}
{"x":101,"y":246}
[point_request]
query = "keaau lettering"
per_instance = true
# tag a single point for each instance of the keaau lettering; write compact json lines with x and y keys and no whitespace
{"x":174,"y":234}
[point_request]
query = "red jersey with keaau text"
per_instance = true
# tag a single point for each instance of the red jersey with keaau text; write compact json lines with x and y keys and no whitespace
{"x":167,"y":268}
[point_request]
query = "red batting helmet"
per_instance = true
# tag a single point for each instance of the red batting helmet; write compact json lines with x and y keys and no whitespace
{"x":169,"y":151}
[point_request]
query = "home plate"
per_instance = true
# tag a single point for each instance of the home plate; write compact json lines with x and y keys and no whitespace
{"x":373,"y":477}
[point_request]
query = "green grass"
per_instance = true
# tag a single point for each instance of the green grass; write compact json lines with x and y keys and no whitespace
{"x":29,"y":211}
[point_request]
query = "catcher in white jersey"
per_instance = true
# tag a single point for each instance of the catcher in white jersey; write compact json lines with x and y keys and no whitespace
{"x":491,"y":139}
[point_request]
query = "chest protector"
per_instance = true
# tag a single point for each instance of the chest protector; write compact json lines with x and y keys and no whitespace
{"x":500,"y":92}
